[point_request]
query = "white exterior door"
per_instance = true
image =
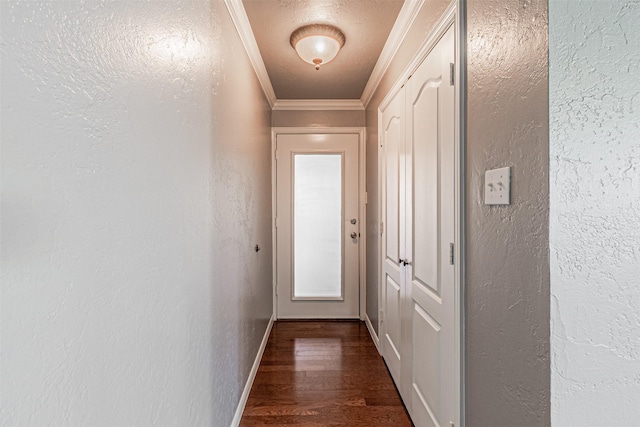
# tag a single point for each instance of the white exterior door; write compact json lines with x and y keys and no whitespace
{"x":418,"y":211}
{"x":317,"y":226}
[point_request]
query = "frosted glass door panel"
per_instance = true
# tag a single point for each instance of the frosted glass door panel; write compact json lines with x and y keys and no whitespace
{"x":317,"y":226}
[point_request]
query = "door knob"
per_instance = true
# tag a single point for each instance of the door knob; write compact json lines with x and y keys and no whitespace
{"x":353,"y":234}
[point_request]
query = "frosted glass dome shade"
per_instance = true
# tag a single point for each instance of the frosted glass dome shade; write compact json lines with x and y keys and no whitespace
{"x":317,"y":44}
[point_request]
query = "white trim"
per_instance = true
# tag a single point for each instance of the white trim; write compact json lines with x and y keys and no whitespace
{"x":362,"y":181}
{"x":380,"y":210}
{"x":406,"y":17}
{"x":318,"y":104}
{"x":241,"y":21}
{"x":252,"y":375}
{"x":459,"y":188}
{"x":362,"y":229}
{"x":372,"y":332}
{"x":274,"y":214}
{"x":443,"y":24}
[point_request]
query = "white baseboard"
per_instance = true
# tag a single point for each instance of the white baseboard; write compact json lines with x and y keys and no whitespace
{"x":252,"y":375}
{"x":372,"y":332}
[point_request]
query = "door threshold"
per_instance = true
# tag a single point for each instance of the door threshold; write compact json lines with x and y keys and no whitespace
{"x":319,"y":320}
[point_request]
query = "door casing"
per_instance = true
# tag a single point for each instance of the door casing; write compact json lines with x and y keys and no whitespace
{"x":362,"y":242}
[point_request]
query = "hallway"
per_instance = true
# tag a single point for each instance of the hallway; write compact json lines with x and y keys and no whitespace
{"x":323,"y":373}
{"x":137,"y":223}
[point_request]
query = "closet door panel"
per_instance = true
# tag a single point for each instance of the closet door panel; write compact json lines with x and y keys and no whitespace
{"x":393,"y":292}
{"x":425,"y":191}
{"x":429,"y":226}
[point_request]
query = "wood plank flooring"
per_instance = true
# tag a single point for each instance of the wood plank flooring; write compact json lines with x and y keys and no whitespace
{"x":323,"y":373}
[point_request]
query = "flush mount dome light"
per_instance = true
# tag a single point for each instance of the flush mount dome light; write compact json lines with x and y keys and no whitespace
{"x":317,"y":44}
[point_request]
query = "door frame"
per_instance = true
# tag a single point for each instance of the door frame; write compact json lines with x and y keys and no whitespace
{"x":453,"y":15}
{"x":362,"y":203}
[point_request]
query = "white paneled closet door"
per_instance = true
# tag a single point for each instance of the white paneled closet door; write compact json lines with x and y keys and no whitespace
{"x":418,"y":211}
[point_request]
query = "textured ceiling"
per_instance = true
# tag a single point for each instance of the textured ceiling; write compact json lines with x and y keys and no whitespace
{"x":365,"y":23}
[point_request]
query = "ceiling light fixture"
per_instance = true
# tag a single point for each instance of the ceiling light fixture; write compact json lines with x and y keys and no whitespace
{"x":317,"y":44}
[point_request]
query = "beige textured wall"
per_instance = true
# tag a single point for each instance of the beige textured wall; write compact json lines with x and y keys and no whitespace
{"x":135,"y":183}
{"x":423,"y":24}
{"x":290,"y":118}
{"x":507,"y":268}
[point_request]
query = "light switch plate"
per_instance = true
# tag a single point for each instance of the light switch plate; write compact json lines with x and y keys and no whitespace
{"x":497,"y":186}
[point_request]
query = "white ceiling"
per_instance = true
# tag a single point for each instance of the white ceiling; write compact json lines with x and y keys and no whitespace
{"x":365,"y":23}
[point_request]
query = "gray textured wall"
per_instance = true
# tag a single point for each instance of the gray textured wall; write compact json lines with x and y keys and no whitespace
{"x":507,"y":288}
{"x":241,"y":288}
{"x":594,"y":55}
{"x":135,"y":183}
{"x":294,"y":118}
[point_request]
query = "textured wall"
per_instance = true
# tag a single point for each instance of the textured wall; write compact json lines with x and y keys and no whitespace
{"x":595,"y":212}
{"x":427,"y":17}
{"x":331,"y":118}
{"x":135,"y":181}
{"x":507,"y":277}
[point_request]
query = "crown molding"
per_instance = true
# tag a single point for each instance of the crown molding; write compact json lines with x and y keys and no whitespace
{"x":406,"y":17}
{"x":241,"y":22}
{"x":318,"y":104}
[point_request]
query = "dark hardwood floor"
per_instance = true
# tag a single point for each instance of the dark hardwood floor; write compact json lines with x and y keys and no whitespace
{"x":323,"y":373}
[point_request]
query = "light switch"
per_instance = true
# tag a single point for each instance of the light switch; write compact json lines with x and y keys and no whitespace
{"x":497,"y":186}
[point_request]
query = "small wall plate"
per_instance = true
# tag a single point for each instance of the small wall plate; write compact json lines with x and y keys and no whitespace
{"x":497,"y":186}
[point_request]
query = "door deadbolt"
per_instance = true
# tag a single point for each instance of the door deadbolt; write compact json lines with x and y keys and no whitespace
{"x":353,"y":221}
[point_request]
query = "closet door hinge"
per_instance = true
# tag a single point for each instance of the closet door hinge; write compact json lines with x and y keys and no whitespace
{"x":452,"y":74}
{"x":381,"y":228}
{"x":451,"y":253}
